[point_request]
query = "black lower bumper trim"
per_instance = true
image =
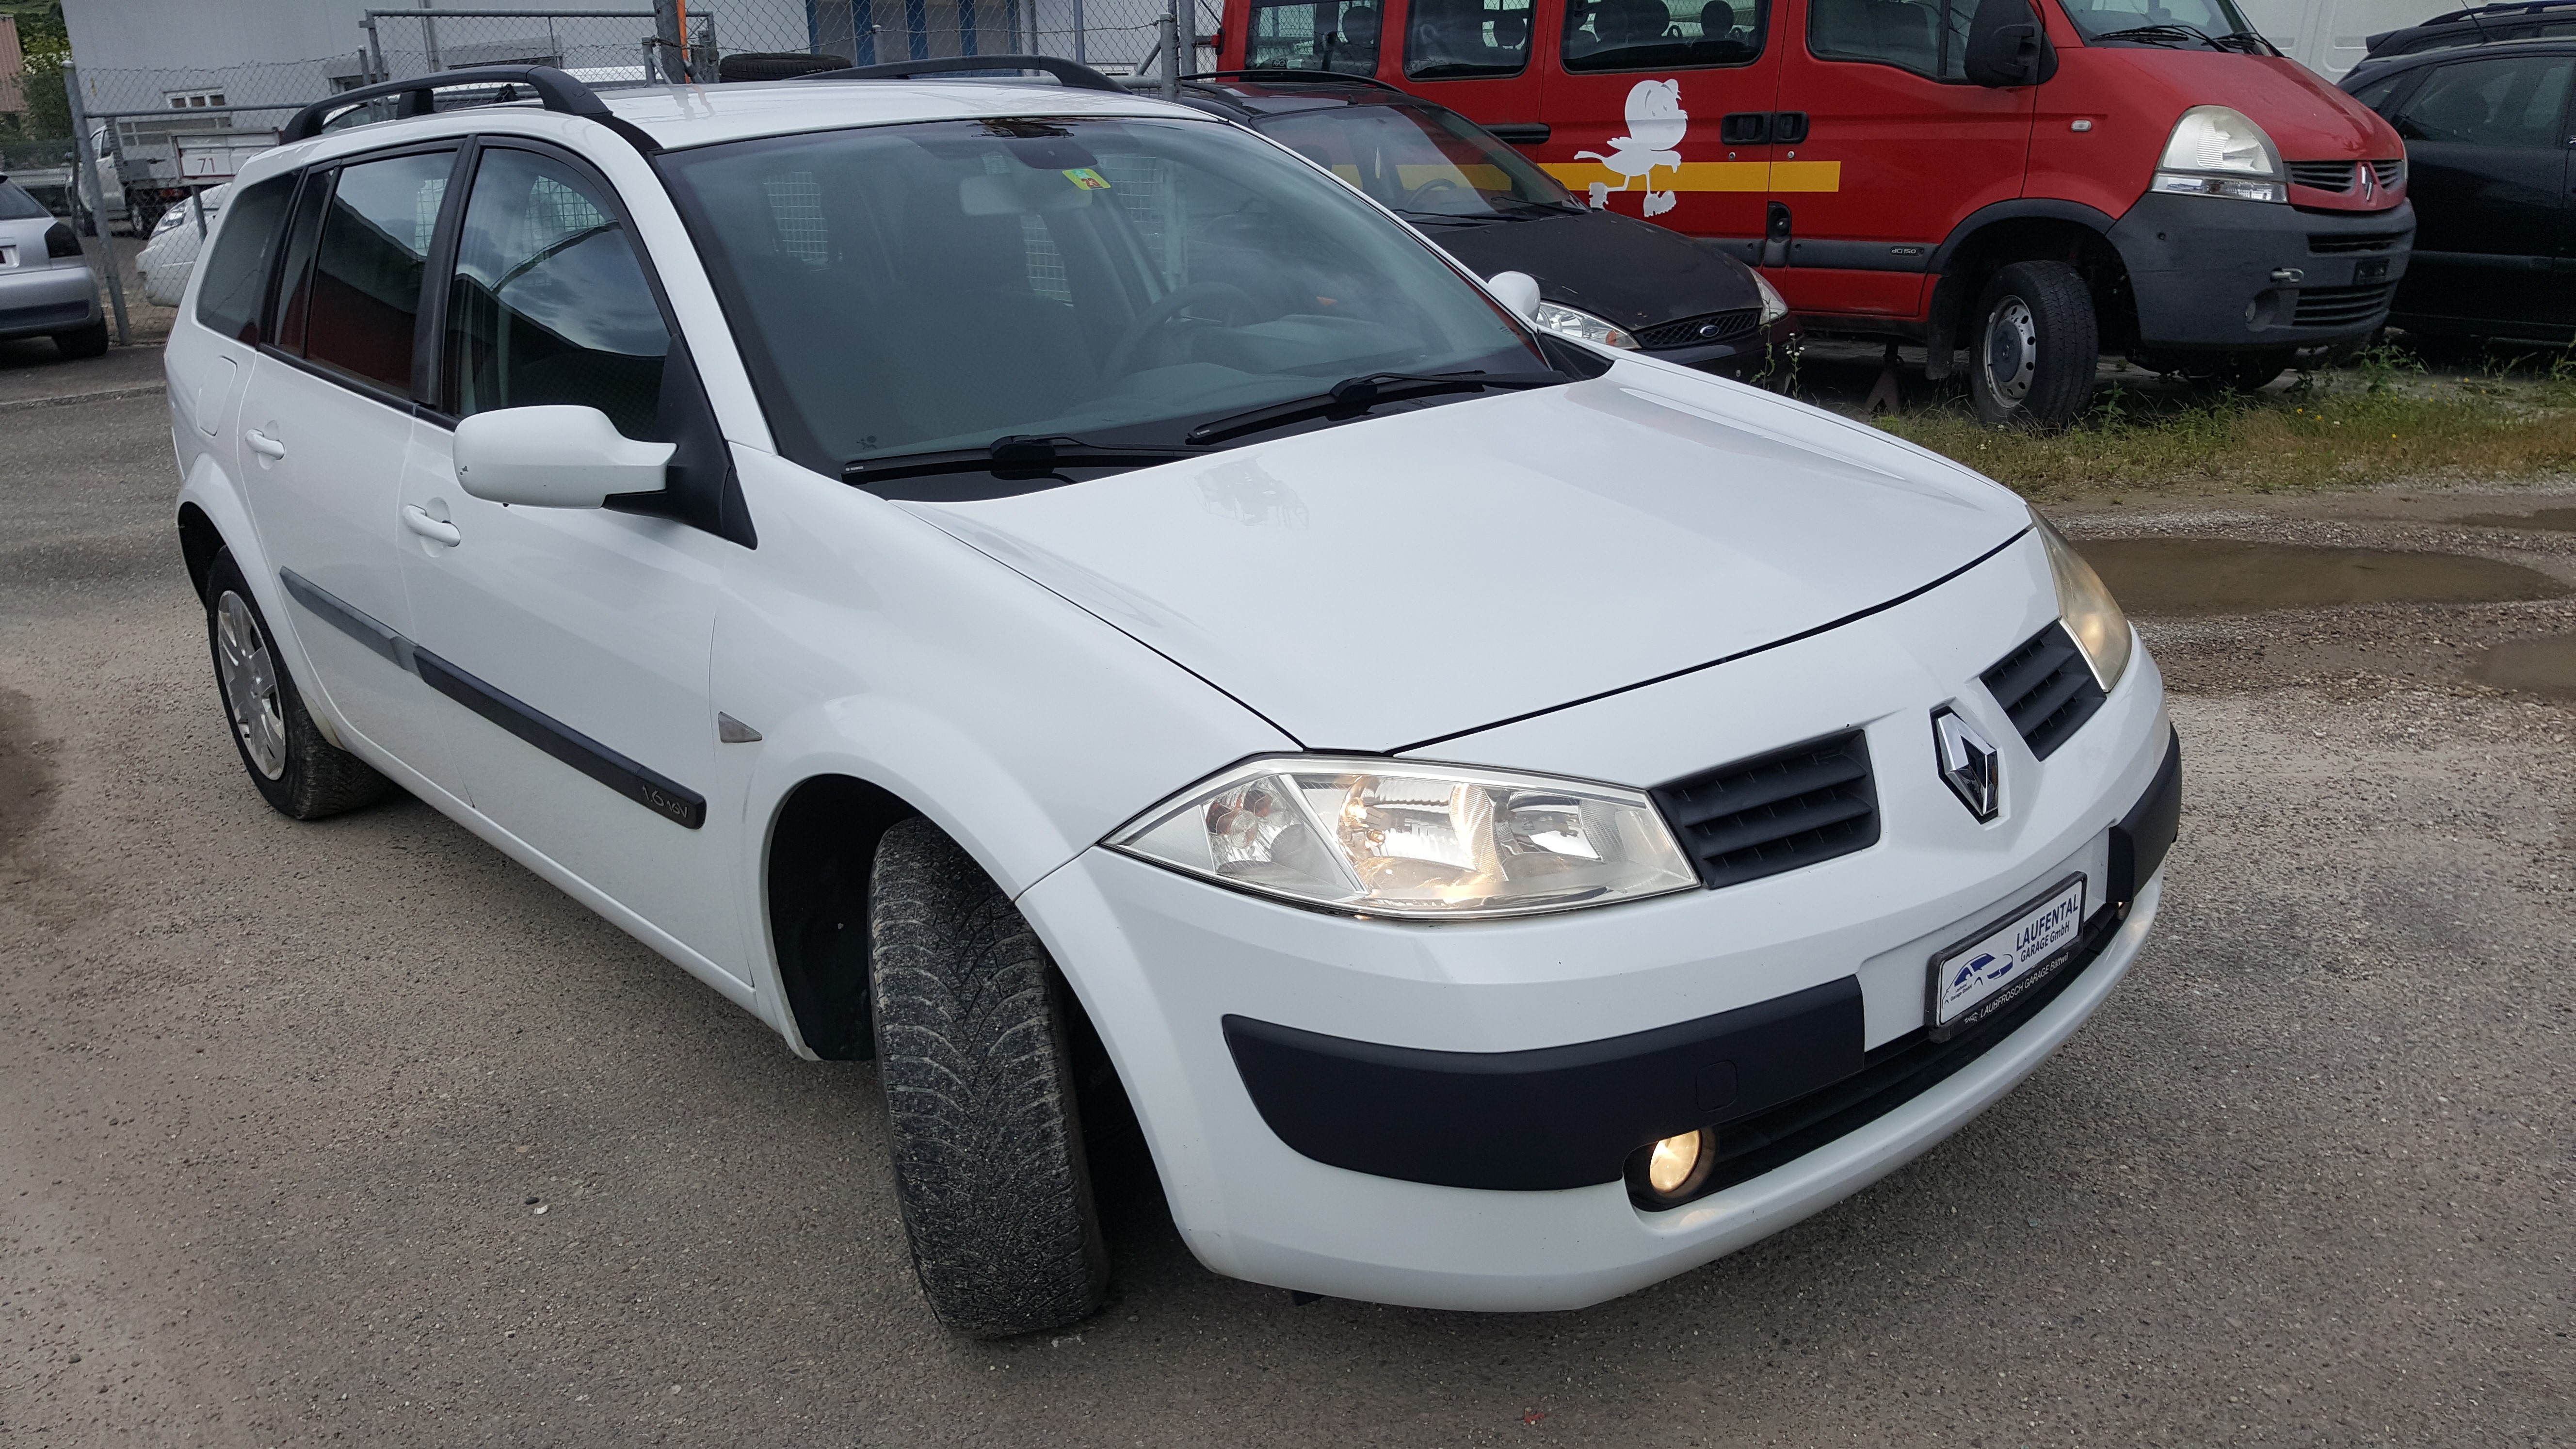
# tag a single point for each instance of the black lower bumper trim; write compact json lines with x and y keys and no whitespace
{"x":2213,"y":274}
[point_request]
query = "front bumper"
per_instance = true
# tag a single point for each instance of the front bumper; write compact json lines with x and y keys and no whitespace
{"x":35,"y":301}
{"x":2210,"y":273}
{"x":1161,"y":961}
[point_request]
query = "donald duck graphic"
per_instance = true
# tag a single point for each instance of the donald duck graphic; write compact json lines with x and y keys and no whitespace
{"x":1656,"y":125}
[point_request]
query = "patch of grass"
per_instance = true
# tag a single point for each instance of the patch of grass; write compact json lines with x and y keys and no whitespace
{"x":2376,"y":421}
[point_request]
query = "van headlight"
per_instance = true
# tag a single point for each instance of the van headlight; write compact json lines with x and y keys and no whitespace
{"x":1381,"y":837}
{"x":2217,"y":151}
{"x":1572,"y":323}
{"x":2086,"y":608}
{"x":1774,"y":306}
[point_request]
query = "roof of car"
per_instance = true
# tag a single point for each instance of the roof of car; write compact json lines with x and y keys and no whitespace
{"x":1252,"y":95}
{"x":2380,"y":65}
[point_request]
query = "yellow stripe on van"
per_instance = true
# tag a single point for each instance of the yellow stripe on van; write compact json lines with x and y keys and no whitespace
{"x":1708,"y":176}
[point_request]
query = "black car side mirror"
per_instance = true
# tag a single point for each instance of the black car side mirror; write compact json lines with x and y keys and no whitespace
{"x":2007,"y":46}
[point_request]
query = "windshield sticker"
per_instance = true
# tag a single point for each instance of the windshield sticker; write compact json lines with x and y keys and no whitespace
{"x":1656,"y":125}
{"x":1087,"y":179}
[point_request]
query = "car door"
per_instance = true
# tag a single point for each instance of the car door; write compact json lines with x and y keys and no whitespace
{"x":1666,"y":111}
{"x":325,"y":422}
{"x":1888,"y":109}
{"x":2486,"y":151}
{"x":575,"y":641}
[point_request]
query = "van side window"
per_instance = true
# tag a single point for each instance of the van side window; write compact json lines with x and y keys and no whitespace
{"x":1651,"y":35}
{"x":550,"y":304}
{"x":2513,"y":100}
{"x":1335,"y":35}
{"x":1446,"y":39}
{"x":1927,"y":37}
{"x":237,"y":271}
{"x":368,"y":267}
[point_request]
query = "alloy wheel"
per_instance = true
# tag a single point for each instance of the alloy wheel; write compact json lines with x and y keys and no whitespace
{"x":249,"y":676}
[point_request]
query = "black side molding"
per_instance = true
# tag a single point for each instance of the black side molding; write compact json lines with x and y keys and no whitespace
{"x":654,"y":791}
{"x":2140,"y":840}
{"x":357,"y":624}
{"x":1547,"y":1118}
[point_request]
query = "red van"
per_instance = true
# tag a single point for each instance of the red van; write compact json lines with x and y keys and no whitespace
{"x":2040,"y":185}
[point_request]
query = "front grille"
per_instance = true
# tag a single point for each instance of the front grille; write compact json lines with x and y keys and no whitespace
{"x":1697,"y":331}
{"x":2325,"y":244}
{"x":2047,"y":688}
{"x":1775,"y":812}
{"x":2392,"y":174}
{"x":2322,"y":175}
{"x":2341,"y":306}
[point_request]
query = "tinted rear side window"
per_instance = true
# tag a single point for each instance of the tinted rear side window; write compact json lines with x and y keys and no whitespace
{"x":1334,"y":35}
{"x":1651,"y":35}
{"x":17,"y":205}
{"x":368,"y":266}
{"x":2505,"y":101}
{"x":237,"y":270}
{"x":1450,"y":38}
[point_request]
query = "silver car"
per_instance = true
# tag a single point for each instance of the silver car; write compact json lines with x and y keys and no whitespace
{"x":46,"y":288}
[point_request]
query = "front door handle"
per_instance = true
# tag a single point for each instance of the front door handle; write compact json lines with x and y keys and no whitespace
{"x":430,"y":528}
{"x":262,"y":444}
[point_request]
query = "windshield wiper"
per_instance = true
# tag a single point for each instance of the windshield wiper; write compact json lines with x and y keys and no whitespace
{"x":2250,"y":42}
{"x":1012,"y":455}
{"x":2161,"y":35}
{"x":1359,"y":394}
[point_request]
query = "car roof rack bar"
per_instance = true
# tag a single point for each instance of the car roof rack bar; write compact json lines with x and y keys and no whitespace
{"x":554,"y":89}
{"x":1310,"y":77}
{"x":2483,"y":12}
{"x":1074,"y":75}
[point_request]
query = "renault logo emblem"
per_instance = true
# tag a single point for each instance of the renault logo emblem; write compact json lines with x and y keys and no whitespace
{"x":1970,"y":766}
{"x":2369,"y":179}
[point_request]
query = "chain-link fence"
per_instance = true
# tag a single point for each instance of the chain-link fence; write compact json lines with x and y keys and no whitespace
{"x":147,"y":169}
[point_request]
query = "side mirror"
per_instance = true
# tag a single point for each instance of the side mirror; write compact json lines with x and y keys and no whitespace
{"x":554,"y":457}
{"x":2007,"y":46}
{"x":1518,"y":291}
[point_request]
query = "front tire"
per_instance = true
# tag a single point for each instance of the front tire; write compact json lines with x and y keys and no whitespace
{"x":981,"y":1121}
{"x":90,"y":341}
{"x":2035,"y":346}
{"x":297,"y":771}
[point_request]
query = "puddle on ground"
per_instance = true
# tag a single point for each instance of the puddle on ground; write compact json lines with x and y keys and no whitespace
{"x":2547,"y":520}
{"x":2229,"y":576}
{"x":2540,"y":666}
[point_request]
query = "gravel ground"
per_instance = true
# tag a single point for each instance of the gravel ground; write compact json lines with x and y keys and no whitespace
{"x":357,"y":1131}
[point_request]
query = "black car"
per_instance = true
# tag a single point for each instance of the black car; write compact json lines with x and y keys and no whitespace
{"x":2480,"y":25}
{"x":1602,"y":276}
{"x":2487,"y":134}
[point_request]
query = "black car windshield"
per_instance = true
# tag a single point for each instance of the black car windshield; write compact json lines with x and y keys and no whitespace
{"x":949,"y":285}
{"x":1428,"y":163}
{"x":2107,"y":19}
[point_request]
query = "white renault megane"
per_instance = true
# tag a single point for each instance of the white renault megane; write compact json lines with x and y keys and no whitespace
{"x":1052,"y":591}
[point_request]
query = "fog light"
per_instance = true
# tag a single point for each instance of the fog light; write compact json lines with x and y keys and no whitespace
{"x":1671,"y":1163}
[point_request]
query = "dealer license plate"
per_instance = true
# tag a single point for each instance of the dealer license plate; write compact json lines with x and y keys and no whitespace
{"x":1977,"y":976}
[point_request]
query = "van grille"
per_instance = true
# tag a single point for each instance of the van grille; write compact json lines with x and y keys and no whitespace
{"x":2322,"y":175}
{"x":1776,"y":812}
{"x":2047,"y":688}
{"x":2341,"y":306}
{"x":1687,"y":332}
{"x":2391,"y":173}
{"x":2325,"y":244}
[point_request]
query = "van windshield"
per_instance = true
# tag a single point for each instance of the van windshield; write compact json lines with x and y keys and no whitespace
{"x":2191,"y":23}
{"x":1423,"y":164}
{"x":974,"y":285}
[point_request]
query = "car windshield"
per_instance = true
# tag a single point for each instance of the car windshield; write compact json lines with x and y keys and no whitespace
{"x":1425,"y":163}
{"x":902,"y":290}
{"x":2109,"y":19}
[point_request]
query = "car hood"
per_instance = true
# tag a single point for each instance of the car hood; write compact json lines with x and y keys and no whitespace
{"x":1399,"y":580}
{"x":1628,"y":272}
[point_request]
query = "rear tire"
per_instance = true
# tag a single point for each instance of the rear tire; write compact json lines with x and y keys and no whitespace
{"x":297,"y":771}
{"x":972,"y":1049}
{"x":90,"y":341}
{"x":2034,"y":346}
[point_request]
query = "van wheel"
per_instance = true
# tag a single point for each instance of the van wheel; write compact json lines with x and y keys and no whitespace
{"x":90,"y":341}
{"x":297,"y":771}
{"x":2035,"y":346}
{"x":974,"y":1057}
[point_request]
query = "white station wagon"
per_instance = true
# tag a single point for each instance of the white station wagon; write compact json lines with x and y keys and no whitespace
{"x":1053,"y":591}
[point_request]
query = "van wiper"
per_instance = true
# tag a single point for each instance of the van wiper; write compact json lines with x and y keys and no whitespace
{"x":2248,"y":41}
{"x":2162,"y":35}
{"x":1359,"y":394}
{"x":1011,"y":455}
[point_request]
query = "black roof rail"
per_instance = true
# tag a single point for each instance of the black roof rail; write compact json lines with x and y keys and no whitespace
{"x":554,"y":89}
{"x":2490,"y":12}
{"x":1075,"y":76}
{"x":1313,"y":77}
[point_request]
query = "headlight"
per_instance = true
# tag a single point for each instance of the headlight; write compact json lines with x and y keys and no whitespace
{"x":2086,"y":608}
{"x":2215,"y":151}
{"x":1383,"y":837}
{"x":1571,"y":323}
{"x":1774,"y":306}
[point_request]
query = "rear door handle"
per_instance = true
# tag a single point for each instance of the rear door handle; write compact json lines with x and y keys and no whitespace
{"x":430,"y":528}
{"x":262,"y":444}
